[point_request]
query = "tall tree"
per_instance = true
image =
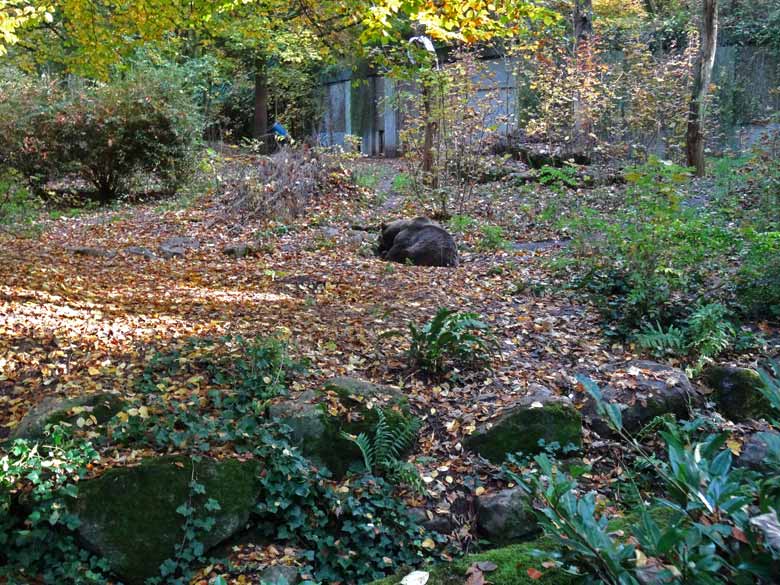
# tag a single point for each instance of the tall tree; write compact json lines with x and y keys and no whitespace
{"x":702,"y":75}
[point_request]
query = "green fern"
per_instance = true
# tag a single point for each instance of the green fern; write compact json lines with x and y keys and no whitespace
{"x":382,"y":452}
{"x":451,"y":337}
{"x":661,"y":342}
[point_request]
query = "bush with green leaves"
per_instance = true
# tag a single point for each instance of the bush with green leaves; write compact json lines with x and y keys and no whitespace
{"x":382,"y":450}
{"x":758,"y":279}
{"x":652,"y":261}
{"x":451,"y":339}
{"x":141,"y":127}
{"x":720,"y":523}
{"x":37,"y":539}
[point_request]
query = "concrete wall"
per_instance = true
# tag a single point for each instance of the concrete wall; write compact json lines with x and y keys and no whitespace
{"x":366,"y":105}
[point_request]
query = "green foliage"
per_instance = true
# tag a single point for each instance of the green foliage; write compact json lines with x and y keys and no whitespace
{"x":703,"y":335}
{"x":383,"y":450}
{"x":451,"y":338}
{"x":678,"y":277}
{"x":492,"y":238}
{"x":710,"y":533}
{"x":368,"y":178}
{"x":758,"y":279}
{"x":558,"y":178}
{"x":461,"y":223}
{"x":245,"y":375}
{"x":37,"y":481}
{"x":19,"y":209}
{"x":143,"y":126}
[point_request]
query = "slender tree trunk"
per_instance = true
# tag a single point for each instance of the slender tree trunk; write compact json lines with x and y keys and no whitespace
{"x":702,"y":74}
{"x":583,"y":20}
{"x":430,"y":130}
{"x":583,"y":31}
{"x":260,"y":125}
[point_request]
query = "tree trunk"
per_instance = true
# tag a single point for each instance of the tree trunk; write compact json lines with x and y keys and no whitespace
{"x":582,"y":18}
{"x":429,"y":176}
{"x":260,"y":125}
{"x":702,"y":74}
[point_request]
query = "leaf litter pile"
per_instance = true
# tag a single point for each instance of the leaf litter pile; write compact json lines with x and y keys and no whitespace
{"x":80,"y":313}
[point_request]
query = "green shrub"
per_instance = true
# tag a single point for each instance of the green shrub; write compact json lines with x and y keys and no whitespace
{"x":143,"y":126}
{"x":492,"y":238}
{"x":758,"y":279}
{"x":18,"y":207}
{"x":653,"y":261}
{"x":461,"y":223}
{"x":451,"y":338}
{"x":703,"y":335}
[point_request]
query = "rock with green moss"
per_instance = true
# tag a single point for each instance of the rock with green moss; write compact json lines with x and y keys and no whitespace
{"x":316,"y":419}
{"x":541,"y":415}
{"x":505,"y":517}
{"x":92,"y":410}
{"x":737,"y":393}
{"x":512,"y":565}
{"x":128,"y":515}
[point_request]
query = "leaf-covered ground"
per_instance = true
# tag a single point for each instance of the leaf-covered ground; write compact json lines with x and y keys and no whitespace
{"x":72,"y":324}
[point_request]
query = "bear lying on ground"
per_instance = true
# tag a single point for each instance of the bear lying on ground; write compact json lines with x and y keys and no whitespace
{"x":420,"y":241}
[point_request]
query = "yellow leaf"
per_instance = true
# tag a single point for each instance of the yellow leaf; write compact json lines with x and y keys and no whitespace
{"x":94,"y":372}
{"x":429,"y":544}
{"x":734,"y":446}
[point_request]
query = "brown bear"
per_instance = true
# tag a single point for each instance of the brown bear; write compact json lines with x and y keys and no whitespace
{"x":419,"y":241}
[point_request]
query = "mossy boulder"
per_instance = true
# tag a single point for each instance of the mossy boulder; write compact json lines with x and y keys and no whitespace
{"x":642,"y":390}
{"x":128,"y":515}
{"x":505,"y":517}
{"x":541,"y":415}
{"x":94,"y":410}
{"x":737,"y":393}
{"x":512,"y":564}
{"x":316,"y":419}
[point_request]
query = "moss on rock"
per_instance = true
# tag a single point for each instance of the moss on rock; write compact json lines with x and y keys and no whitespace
{"x":520,"y":428}
{"x":95,"y":409}
{"x":512,"y":564}
{"x":737,"y":393}
{"x":316,"y":428}
{"x":128,"y":515}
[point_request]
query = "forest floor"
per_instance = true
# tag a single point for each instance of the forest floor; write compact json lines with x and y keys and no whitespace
{"x":72,"y":324}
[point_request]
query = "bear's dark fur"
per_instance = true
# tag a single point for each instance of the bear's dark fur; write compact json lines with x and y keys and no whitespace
{"x":420,"y":241}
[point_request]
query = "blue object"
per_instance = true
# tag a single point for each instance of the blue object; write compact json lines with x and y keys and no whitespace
{"x":280,"y":130}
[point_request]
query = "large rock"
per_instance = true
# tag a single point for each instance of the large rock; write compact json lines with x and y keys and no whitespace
{"x":505,"y":517}
{"x":643,"y":390}
{"x":344,"y":404}
{"x":128,"y":515}
{"x":419,"y":241}
{"x":178,"y":246}
{"x":737,"y":393}
{"x":760,"y":452}
{"x":540,"y":415}
{"x":94,"y":409}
